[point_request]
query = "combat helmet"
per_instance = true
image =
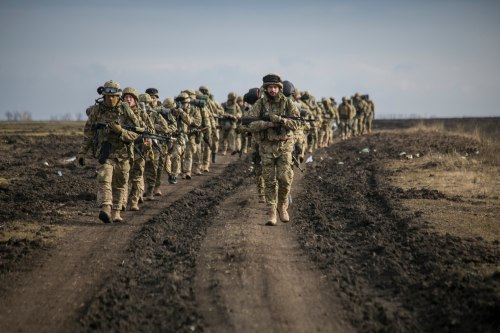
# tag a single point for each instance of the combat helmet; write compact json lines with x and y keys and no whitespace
{"x":204,"y":90}
{"x":231,"y":96}
{"x":272,"y":79}
{"x":288,"y":88}
{"x":169,"y":103}
{"x":130,"y":91}
{"x":111,"y":88}
{"x":145,"y":98}
{"x":183,"y":98}
{"x":153,"y":92}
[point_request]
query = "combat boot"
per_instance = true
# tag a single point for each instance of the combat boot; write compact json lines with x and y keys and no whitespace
{"x":157,"y":192}
{"x":271,"y":220}
{"x":149,"y":194}
{"x":282,"y":210}
{"x":134,"y":205}
{"x":213,"y":157}
{"x":105,"y":214}
{"x":115,"y":215}
{"x":262,"y":198}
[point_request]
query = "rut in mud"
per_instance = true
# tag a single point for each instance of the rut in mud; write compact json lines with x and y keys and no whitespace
{"x":152,"y":290}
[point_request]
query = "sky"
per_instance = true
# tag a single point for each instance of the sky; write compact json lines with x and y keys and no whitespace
{"x":438,"y":58}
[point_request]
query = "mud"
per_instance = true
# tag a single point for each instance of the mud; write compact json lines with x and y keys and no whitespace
{"x":387,"y":267}
{"x":394,"y":273}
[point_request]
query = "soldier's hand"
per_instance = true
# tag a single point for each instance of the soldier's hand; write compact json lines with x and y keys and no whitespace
{"x":275,"y":119}
{"x":115,"y":127}
{"x":140,"y":129}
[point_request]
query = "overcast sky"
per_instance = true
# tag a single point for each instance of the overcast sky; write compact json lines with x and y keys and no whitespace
{"x":437,"y":58}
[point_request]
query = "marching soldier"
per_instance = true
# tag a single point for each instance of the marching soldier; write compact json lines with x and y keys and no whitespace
{"x":228,"y":122}
{"x":276,"y":143}
{"x":111,"y":145}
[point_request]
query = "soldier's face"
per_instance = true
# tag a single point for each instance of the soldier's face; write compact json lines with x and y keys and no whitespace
{"x":111,"y":100}
{"x":273,"y":90}
{"x":129,"y":99}
{"x":154,"y":99}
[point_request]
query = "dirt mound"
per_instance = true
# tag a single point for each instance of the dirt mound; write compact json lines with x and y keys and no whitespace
{"x":394,"y":273}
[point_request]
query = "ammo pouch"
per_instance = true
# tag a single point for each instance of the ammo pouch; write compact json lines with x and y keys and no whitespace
{"x":105,"y":152}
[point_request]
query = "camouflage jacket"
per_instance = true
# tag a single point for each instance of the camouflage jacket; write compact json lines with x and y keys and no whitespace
{"x":282,"y":106}
{"x":95,"y":136}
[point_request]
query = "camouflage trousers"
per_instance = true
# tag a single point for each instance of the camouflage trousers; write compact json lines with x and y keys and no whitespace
{"x":191,"y":149}
{"x":277,"y":171}
{"x":368,"y":122}
{"x":136,"y":179}
{"x":215,"y":140}
{"x":202,"y":157}
{"x":112,"y":181}
{"x":176,"y":157}
{"x":152,"y":170}
{"x":257,"y":169}
{"x":312,"y":139}
{"x":344,"y":128}
{"x":358,"y":125}
{"x":245,"y":142}
{"x":228,"y":140}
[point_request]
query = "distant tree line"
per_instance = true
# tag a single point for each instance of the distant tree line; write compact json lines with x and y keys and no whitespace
{"x":18,"y":116}
{"x":26,"y":116}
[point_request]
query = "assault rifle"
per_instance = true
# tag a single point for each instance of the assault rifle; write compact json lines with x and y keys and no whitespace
{"x":198,"y":131}
{"x":248,"y":120}
{"x":144,"y":133}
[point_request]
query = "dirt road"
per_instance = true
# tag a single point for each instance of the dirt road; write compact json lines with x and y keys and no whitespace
{"x":353,"y":257}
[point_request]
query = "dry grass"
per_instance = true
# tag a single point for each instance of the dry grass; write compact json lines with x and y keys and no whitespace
{"x":21,"y":230}
{"x":476,"y":185}
{"x":41,"y":128}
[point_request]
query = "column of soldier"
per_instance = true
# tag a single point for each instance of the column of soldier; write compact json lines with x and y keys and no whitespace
{"x":136,"y":137}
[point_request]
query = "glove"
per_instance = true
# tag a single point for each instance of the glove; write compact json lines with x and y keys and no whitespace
{"x":116,"y":128}
{"x":81,"y":160}
{"x":275,"y":119}
{"x":140,"y":130}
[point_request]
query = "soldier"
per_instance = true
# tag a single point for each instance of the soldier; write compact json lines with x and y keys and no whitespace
{"x":325,"y":132}
{"x":361,"y":108}
{"x":111,"y":145}
{"x":369,"y":114}
{"x":244,"y":137}
{"x":216,"y":111}
{"x":142,"y":149}
{"x":250,"y":98}
{"x":154,"y":166}
{"x":166,"y":112}
{"x":276,"y":138}
{"x":346,"y":115}
{"x":227,"y":121}
{"x":188,"y":118}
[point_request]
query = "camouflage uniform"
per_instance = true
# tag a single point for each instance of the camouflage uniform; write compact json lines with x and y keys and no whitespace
{"x":369,"y":114}
{"x":112,"y":146}
{"x":166,"y":113}
{"x":215,"y":110}
{"x":188,"y":118}
{"x":276,"y":143}
{"x":361,"y":108}
{"x":142,"y":151}
{"x":228,"y":122}
{"x":154,"y":166}
{"x":346,"y":116}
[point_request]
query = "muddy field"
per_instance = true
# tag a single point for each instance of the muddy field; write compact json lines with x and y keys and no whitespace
{"x":383,"y":238}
